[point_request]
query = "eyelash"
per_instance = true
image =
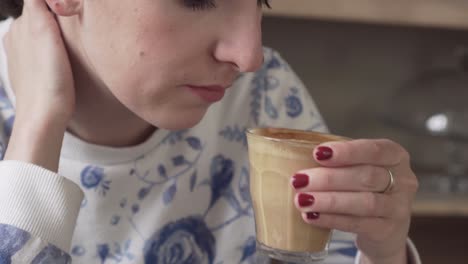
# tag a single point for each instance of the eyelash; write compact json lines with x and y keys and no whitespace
{"x":209,"y":4}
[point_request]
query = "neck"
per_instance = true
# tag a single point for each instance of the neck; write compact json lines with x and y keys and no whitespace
{"x":101,"y":119}
{"x":97,"y":121}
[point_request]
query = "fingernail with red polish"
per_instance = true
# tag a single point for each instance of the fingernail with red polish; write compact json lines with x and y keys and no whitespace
{"x":313,"y":215}
{"x":300,"y":180}
{"x":305,"y":200}
{"x":324,"y":153}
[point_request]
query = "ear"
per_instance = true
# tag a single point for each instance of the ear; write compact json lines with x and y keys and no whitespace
{"x":65,"y":7}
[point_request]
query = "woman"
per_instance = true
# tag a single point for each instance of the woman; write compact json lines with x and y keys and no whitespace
{"x":152,"y":166}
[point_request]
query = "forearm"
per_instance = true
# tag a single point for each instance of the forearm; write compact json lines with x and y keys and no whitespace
{"x":36,"y":139}
{"x":400,"y":258}
{"x":34,"y":199}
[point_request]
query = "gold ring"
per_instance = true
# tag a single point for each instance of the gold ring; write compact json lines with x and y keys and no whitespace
{"x":390,"y":184}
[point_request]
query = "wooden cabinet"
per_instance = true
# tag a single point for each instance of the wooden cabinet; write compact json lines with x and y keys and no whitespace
{"x":432,"y":13}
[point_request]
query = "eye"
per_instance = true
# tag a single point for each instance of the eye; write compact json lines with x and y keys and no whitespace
{"x":264,"y":3}
{"x":200,"y":4}
{"x":209,"y":4}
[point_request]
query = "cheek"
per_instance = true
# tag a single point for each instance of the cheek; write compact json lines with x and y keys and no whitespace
{"x":127,"y":69}
{"x":141,"y":47}
{"x":142,"y":64}
{"x":126,"y":58}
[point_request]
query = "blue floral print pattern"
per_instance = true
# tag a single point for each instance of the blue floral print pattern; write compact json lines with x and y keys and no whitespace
{"x":221,"y":177}
{"x":51,"y":255}
{"x":222,"y":172}
{"x":93,"y":177}
{"x":185,"y":241}
{"x":180,"y":163}
{"x":2,"y":150}
{"x":244,"y":184}
{"x":293,"y":104}
{"x":270,"y":108}
{"x":8,"y":126}
{"x":234,"y":134}
{"x":118,"y":254}
{"x":78,"y":251}
{"x":190,"y":240}
{"x":262,"y":83}
{"x":5,"y":103}
{"x":6,"y":106}
{"x":13,"y":239}
{"x":344,"y":247}
{"x":175,"y":136}
{"x":249,"y":248}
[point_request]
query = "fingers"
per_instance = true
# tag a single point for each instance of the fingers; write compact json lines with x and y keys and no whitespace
{"x":33,"y":6}
{"x":35,"y":19}
{"x":381,"y":152}
{"x":375,"y":228}
{"x":363,"y":178}
{"x":344,"y":192}
{"x":362,"y":204}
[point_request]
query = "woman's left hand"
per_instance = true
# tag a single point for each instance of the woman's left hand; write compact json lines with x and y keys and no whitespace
{"x":347,"y":193}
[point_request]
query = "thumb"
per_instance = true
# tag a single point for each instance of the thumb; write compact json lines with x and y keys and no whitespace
{"x":35,"y":6}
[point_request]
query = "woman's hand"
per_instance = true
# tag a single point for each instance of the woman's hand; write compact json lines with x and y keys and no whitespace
{"x":41,"y":78}
{"x":39,"y":68}
{"x":346,"y":193}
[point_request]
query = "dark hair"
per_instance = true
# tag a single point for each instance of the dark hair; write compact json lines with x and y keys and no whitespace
{"x":10,"y":8}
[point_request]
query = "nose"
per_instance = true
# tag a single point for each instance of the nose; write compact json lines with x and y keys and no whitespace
{"x":241,"y":45}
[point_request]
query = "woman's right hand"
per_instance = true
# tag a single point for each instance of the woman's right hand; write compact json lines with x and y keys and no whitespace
{"x":41,"y":78}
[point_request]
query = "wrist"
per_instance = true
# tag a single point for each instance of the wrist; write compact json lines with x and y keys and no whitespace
{"x":401,"y":257}
{"x":36,"y":139}
{"x":41,"y":113}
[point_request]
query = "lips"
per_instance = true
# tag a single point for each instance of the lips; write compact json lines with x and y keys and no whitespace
{"x":209,"y":94}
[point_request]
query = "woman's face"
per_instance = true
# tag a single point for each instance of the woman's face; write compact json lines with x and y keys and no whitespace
{"x":168,"y":60}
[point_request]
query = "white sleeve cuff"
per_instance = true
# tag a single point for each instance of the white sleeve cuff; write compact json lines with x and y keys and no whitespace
{"x":39,"y":201}
{"x":413,"y":255}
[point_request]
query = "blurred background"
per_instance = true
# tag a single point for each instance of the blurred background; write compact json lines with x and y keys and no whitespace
{"x":396,"y":69}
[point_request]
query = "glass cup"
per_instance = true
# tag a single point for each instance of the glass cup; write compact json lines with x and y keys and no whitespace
{"x":275,"y":155}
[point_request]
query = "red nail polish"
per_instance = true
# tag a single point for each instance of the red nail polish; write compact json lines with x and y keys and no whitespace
{"x":300,"y":180}
{"x":305,"y":200}
{"x":324,"y":153}
{"x":313,"y":215}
